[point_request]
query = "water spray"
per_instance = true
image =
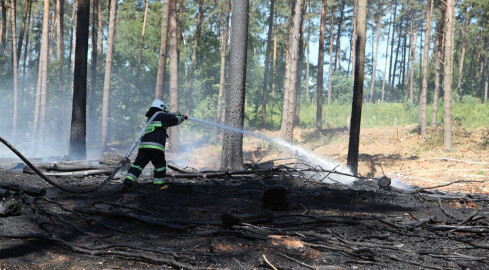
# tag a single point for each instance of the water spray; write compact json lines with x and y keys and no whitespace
{"x":328,"y":171}
{"x":333,"y":171}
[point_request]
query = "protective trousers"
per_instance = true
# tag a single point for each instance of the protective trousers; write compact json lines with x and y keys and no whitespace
{"x":144,"y":156}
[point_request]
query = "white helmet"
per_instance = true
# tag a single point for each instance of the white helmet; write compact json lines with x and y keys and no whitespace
{"x":158,"y":104}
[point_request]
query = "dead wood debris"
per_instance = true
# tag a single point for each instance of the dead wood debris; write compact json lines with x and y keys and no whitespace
{"x":97,"y":252}
{"x":375,"y":242}
{"x":29,"y":190}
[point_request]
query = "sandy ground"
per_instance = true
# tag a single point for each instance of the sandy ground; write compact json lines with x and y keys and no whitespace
{"x":324,"y":226}
{"x":396,"y":152}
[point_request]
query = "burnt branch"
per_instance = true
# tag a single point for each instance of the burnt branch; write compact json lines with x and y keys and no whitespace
{"x":158,"y":222}
{"x":103,"y":252}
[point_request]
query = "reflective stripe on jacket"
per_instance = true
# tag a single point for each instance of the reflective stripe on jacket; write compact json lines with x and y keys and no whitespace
{"x":155,"y":135}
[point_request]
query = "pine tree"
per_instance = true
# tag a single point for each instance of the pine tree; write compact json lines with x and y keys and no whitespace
{"x":448,"y":74}
{"x":77,"y":148}
{"x":173,"y":69}
{"x":108,"y":74}
{"x":222,"y":79}
{"x":232,"y":147}
{"x":424,"y":80}
{"x":287,"y":127}
{"x":160,"y":78}
{"x":14,"y":67}
{"x":356,"y":114}
{"x":267,"y":65}
{"x":319,"y":95}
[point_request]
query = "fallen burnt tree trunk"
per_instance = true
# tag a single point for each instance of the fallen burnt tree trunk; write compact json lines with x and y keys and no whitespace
{"x":68,"y":170}
{"x":81,"y":174}
{"x":227,"y":174}
{"x":31,"y":191}
{"x":62,"y":167}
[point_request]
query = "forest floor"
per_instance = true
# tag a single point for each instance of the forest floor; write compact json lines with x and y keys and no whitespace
{"x":440,"y":220}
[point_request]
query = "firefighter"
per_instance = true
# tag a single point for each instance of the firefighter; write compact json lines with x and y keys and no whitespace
{"x":152,"y":146}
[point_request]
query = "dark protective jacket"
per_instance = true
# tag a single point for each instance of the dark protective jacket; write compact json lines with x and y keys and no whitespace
{"x":155,"y":135}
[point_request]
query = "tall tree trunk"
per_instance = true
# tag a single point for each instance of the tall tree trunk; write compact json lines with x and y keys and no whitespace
{"x":54,"y":24}
{"x":173,"y":72}
{"x":330,"y":79}
{"x":350,"y":35}
{"x":195,"y":44}
{"x":308,"y":57}
{"x":232,"y":147}
{"x":2,"y":8}
{"x":141,"y":40}
{"x":93,"y":78}
{"x":287,"y":128}
{"x":160,"y":77}
{"x":424,"y":74}
{"x":267,"y":65}
{"x":412,"y":51}
{"x":72,"y":35}
{"x":480,"y":74}
{"x":374,"y":69}
{"x":356,"y":114}
{"x":108,"y":74}
{"x":402,"y":74}
{"x":319,"y":94}
{"x":14,"y":67}
{"x":486,"y":86}
{"x":44,"y":97}
{"x":298,"y":83}
{"x":448,"y":73}
{"x":222,"y":79}
{"x":180,"y":27}
{"x":78,"y":147}
{"x":461,"y":62}
{"x":60,"y":54}
{"x":397,"y":56}
{"x":42,"y":80}
{"x":372,"y":43}
{"x":354,"y":37}
{"x":390,"y":78}
{"x":3,"y":25}
{"x":26,"y":51}
{"x":386,"y":58}
{"x":7,"y":25}
{"x":438,"y":65}
{"x":337,"y":60}
{"x":22,"y":29}
{"x":274,"y":64}
{"x":411,"y":70}
{"x":421,"y":45}
{"x":100,"y":34}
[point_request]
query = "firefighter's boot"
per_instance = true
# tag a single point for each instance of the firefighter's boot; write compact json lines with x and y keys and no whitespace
{"x":128,"y":184}
{"x":160,"y":184}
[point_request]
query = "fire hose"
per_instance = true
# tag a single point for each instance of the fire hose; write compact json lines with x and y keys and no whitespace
{"x":78,"y":191}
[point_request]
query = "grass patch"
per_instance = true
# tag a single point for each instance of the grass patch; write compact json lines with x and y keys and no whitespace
{"x":464,"y":116}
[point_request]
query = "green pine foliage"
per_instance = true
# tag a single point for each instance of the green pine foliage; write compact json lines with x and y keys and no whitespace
{"x":131,"y":93}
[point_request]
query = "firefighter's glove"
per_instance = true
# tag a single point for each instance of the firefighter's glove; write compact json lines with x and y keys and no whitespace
{"x":185,"y":117}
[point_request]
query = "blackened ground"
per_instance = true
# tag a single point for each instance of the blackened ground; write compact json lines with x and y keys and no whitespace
{"x":324,"y":227}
